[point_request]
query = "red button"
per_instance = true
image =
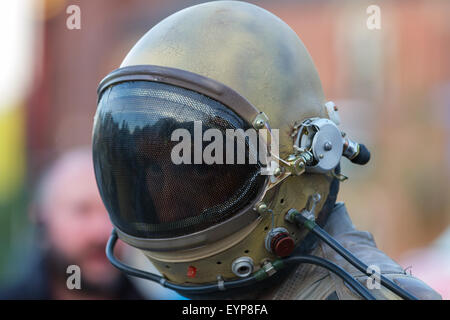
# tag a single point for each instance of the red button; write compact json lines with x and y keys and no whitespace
{"x":191,"y":272}
{"x":283,"y":244}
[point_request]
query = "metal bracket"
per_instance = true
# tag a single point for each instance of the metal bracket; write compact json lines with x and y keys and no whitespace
{"x":260,"y":121}
{"x":339,"y":176}
{"x":220,"y":283}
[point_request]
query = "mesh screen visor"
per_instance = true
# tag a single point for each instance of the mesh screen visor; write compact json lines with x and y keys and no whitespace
{"x":147,"y":195}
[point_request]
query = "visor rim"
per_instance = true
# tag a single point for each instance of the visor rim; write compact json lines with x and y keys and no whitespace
{"x":184,"y":79}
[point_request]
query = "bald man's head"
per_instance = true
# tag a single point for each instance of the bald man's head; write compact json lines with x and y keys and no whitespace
{"x":75,"y":221}
{"x":59,"y":172}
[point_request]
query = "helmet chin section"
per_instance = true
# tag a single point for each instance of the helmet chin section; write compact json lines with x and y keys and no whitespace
{"x":218,"y":259}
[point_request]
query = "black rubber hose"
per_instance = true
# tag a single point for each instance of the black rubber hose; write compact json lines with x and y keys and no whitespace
{"x":347,"y":255}
{"x":162,"y":281}
{"x":123,"y":267}
{"x":363,"y":155}
{"x":332,"y":267}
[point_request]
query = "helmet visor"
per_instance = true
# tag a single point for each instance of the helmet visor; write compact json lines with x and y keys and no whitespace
{"x":147,"y":190}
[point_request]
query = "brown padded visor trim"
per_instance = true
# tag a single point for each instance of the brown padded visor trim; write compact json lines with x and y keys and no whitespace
{"x":185,"y":79}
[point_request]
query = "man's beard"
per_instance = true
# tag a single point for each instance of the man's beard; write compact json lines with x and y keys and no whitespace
{"x":57,"y":264}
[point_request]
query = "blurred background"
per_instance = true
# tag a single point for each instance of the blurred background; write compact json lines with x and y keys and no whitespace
{"x":392,"y":86}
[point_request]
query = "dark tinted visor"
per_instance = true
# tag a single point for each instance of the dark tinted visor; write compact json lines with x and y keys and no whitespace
{"x":148,"y":195}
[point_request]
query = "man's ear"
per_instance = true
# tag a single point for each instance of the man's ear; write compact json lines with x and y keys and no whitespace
{"x":37,"y":217}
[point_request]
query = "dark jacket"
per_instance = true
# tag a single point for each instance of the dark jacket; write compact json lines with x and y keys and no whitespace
{"x":35,"y":285}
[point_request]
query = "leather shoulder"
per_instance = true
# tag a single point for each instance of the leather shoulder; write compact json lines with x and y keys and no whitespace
{"x":417,"y":287}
